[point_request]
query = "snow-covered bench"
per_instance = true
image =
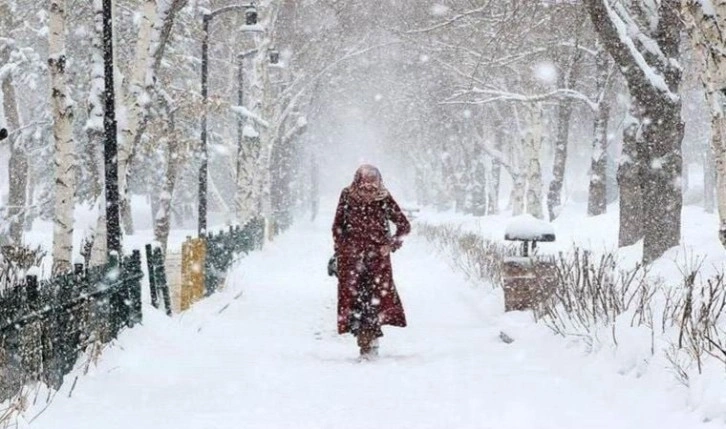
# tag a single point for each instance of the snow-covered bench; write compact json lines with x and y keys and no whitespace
{"x":528,"y":229}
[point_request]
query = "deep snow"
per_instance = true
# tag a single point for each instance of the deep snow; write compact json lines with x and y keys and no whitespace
{"x":264,"y":353}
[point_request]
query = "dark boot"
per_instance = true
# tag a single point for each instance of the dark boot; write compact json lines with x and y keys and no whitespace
{"x":365,"y":338}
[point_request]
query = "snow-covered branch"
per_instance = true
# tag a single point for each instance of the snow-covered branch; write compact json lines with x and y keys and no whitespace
{"x":245,"y":113}
{"x":496,"y":96}
{"x":451,"y":20}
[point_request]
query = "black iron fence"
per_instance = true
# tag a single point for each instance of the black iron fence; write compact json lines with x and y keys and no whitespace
{"x":46,"y":325}
{"x":224,"y":247}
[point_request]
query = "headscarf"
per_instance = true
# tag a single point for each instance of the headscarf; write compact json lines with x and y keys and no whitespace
{"x":367,"y":184}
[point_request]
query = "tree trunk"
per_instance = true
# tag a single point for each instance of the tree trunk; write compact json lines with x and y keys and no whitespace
{"x":597,"y":195}
{"x":564,"y":113}
{"x":631,"y":216}
{"x":254,"y":181}
{"x":136,"y":102}
{"x":18,"y":166}
{"x":653,"y":77}
{"x":95,"y":133}
{"x":709,"y":180}
{"x":533,"y":147}
{"x":709,"y":43}
{"x":315,"y":186}
{"x":162,"y":217}
{"x":157,"y":20}
{"x":479,"y":185}
{"x":246,"y":197}
{"x":496,"y":171}
{"x":554,"y":196}
{"x":64,"y":162}
{"x":99,"y":250}
{"x":662,"y":193}
{"x":517,"y":196}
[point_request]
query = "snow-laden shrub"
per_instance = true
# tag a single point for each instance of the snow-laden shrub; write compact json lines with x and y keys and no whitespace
{"x":478,"y":258}
{"x":18,"y":261}
{"x":629,"y":310}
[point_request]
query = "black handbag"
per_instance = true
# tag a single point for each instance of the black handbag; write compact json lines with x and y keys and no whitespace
{"x":333,"y":266}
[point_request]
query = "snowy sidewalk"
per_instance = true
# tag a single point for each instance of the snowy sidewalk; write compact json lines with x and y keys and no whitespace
{"x":271,"y":359}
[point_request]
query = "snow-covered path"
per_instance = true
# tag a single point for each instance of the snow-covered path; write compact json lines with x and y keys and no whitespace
{"x":264,"y":353}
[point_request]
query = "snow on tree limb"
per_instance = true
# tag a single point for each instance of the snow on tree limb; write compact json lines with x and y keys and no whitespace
{"x":623,"y":49}
{"x":496,"y":96}
{"x":245,"y":113}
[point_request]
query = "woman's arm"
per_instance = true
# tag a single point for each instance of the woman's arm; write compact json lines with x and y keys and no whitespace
{"x":339,"y":222}
{"x":403,"y":226}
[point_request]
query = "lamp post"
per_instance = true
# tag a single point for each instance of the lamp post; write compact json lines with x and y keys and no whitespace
{"x":250,"y":19}
{"x":110,"y":148}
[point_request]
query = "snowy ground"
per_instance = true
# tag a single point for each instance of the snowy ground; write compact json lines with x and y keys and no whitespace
{"x":264,"y":353}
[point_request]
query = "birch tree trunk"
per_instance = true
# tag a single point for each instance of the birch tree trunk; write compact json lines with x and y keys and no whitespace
{"x":597,"y":195}
{"x":64,"y":163}
{"x":254,"y":181}
{"x":709,"y":42}
{"x":496,"y":171}
{"x":518,"y":192}
{"x":162,"y":218}
{"x":533,"y":147}
{"x":480,"y":184}
{"x":18,"y":165}
{"x":156,"y":23}
{"x":709,"y":181}
{"x":136,"y":102}
{"x":95,"y":132}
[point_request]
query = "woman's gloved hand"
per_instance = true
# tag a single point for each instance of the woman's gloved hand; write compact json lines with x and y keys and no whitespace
{"x":396,"y":244}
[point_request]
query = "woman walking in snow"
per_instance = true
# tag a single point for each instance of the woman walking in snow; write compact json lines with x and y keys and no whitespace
{"x":367,"y":296}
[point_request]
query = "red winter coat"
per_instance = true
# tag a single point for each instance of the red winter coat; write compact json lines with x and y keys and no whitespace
{"x":360,"y":232}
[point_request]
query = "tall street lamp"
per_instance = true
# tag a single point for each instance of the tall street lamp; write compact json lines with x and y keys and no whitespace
{"x":250,"y":19}
{"x":110,"y":148}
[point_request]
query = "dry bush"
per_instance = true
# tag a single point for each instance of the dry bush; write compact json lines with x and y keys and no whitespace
{"x":699,"y":316}
{"x":478,"y":258}
{"x":592,"y":293}
{"x":15,"y":261}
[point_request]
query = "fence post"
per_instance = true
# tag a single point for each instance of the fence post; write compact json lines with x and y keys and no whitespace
{"x":152,"y":276}
{"x":134,"y":288}
{"x":161,"y":279}
{"x":210,"y":276}
{"x":110,"y":277}
{"x":33,"y":293}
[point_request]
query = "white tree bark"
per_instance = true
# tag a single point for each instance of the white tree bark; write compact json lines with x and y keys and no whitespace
{"x":136,"y":101}
{"x":64,"y":162}
{"x":95,"y":130}
{"x":709,"y":42}
{"x":532,"y":148}
{"x":254,"y":181}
